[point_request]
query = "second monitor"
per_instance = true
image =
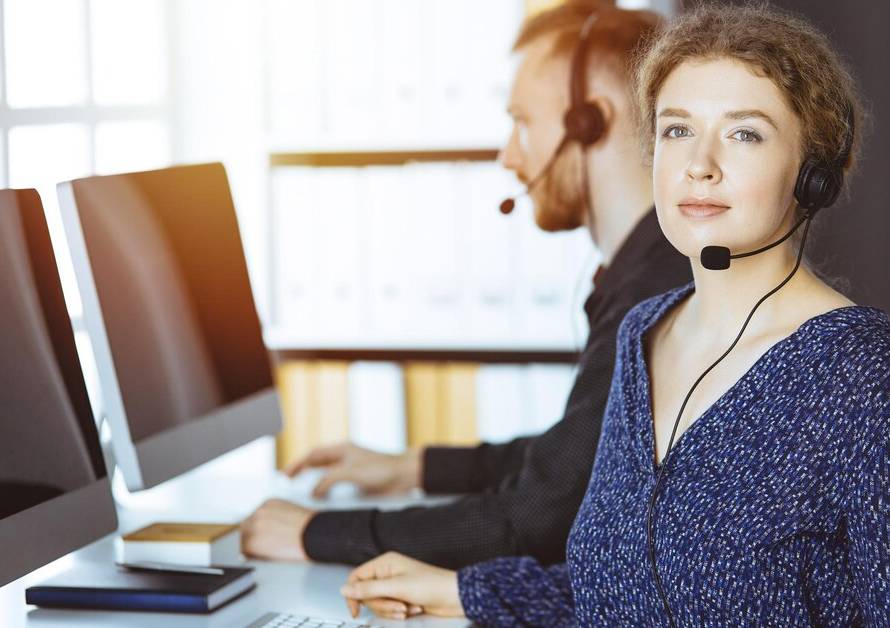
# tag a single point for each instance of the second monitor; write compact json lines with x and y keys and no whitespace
{"x":54,"y":492}
{"x":160,"y":266}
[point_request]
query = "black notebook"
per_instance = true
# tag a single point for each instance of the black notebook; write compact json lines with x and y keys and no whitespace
{"x":116,"y":588}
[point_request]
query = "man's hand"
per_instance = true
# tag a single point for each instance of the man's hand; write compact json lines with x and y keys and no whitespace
{"x":374,"y":473}
{"x":396,"y":587}
{"x":275,"y":531}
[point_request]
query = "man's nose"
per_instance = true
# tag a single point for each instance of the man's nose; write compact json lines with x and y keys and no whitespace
{"x":510,"y":155}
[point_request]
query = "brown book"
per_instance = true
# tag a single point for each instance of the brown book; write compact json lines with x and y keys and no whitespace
{"x":181,"y":532}
{"x":183,"y":544}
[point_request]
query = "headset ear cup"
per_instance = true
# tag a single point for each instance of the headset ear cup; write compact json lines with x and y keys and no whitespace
{"x":584,"y":123}
{"x":817,"y":186}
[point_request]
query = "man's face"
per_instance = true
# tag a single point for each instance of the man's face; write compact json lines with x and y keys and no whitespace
{"x":538,"y":101}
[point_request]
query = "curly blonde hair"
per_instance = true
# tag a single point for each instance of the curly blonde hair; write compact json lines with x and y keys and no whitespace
{"x":775,"y":44}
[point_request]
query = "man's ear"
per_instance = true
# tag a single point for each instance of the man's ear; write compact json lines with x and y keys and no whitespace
{"x":607,"y":107}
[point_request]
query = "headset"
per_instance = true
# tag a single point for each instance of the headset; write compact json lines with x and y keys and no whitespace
{"x":583,"y":121}
{"x":818,"y":185}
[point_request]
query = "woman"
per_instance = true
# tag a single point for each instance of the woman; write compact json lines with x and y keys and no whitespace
{"x":773,"y":507}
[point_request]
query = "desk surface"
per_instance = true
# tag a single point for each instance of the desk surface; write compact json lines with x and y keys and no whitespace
{"x":304,"y":588}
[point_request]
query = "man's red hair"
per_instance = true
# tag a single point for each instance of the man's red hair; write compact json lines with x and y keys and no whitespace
{"x":614,"y":37}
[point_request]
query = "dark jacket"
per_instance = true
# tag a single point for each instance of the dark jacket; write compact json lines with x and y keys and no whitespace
{"x":522,"y":496}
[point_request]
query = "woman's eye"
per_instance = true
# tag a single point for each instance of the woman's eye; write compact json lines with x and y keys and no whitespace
{"x":746,"y":135}
{"x":675,"y":131}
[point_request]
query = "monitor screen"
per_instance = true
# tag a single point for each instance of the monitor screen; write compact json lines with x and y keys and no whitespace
{"x":169,"y":307}
{"x":49,"y":447}
{"x":163,"y":359}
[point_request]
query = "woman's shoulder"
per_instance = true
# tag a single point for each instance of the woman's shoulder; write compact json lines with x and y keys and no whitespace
{"x":859,"y":384}
{"x":853,"y":337}
{"x":848,"y":368}
{"x":861,"y":337}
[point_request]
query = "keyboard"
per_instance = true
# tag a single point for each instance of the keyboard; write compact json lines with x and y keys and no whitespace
{"x":286,"y":620}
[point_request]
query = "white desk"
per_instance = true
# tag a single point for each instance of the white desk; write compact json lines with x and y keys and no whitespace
{"x":304,"y":588}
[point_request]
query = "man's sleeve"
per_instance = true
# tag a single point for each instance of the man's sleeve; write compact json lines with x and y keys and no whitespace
{"x":529,"y":513}
{"x":517,"y":592}
{"x":471,"y":469}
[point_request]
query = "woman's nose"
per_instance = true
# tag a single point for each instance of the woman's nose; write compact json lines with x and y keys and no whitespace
{"x":703,"y":165}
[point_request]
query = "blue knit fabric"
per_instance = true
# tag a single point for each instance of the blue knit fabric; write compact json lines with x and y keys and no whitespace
{"x":775,"y":510}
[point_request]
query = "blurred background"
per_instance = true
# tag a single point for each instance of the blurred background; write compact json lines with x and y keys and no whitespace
{"x":360,"y":139}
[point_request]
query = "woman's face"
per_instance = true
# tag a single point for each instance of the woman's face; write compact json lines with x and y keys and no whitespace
{"x":726,"y":157}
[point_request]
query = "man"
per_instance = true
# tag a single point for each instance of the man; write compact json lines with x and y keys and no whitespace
{"x":520,"y":497}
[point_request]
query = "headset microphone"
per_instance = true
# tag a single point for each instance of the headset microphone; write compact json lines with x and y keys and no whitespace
{"x":718,"y":257}
{"x":508,"y":204}
{"x":818,"y":185}
{"x":583,"y":122}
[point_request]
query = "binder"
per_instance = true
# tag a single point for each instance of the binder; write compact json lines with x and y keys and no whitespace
{"x":315,"y":407}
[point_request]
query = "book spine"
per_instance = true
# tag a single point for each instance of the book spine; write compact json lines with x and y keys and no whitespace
{"x":173,"y":553}
{"x":114,"y":600}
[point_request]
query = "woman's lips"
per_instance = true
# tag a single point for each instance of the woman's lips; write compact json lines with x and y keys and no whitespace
{"x":701,"y":210}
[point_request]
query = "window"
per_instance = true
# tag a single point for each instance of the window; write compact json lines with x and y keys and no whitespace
{"x":83,"y":90}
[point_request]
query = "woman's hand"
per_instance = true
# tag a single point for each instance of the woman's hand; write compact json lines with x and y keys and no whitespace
{"x":374,"y":473}
{"x":396,"y":587}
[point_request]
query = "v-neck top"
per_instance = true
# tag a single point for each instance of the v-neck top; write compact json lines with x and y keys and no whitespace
{"x":774,"y":509}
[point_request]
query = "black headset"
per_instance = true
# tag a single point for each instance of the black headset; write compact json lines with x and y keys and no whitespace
{"x":819,"y":183}
{"x":583,"y":122}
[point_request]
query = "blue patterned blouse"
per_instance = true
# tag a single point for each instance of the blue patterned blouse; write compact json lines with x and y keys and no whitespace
{"x":775,"y":509}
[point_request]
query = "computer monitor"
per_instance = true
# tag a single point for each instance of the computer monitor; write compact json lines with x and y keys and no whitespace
{"x":167,"y":302}
{"x":55,"y":495}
